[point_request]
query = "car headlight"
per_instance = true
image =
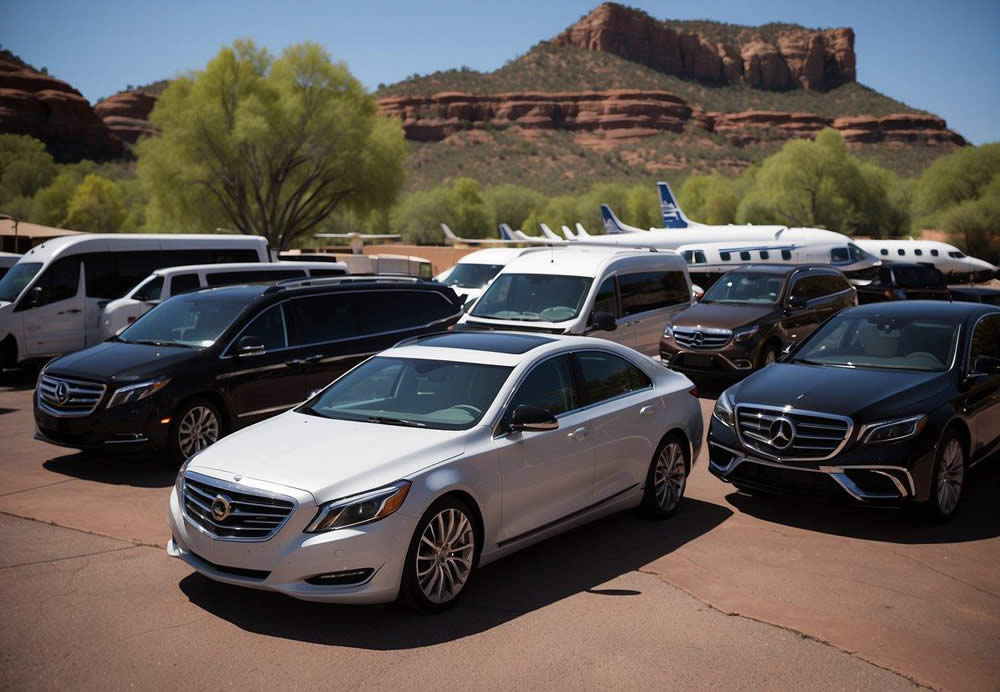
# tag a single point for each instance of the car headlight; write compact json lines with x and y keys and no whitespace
{"x":745,"y":334}
{"x":723,"y":411}
{"x":893,"y":430}
{"x":135,"y":392}
{"x":179,"y":481}
{"x":668,"y":332}
{"x":360,"y":509}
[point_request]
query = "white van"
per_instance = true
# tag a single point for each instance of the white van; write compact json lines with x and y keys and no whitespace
{"x":625,"y":296}
{"x":163,"y":283}
{"x":52,"y":300}
{"x":473,"y":273}
{"x":7,"y":260}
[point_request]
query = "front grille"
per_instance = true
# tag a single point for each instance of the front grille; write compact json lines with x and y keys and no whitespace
{"x":702,"y":338}
{"x":785,"y":480}
{"x":253,"y":517}
{"x":814,"y":435}
{"x":260,"y":574}
{"x":64,"y":397}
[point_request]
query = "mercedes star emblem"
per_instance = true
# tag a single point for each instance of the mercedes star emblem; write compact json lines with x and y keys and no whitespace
{"x":782,"y":433}
{"x":698,"y":338}
{"x":62,"y":393}
{"x":222,"y":507}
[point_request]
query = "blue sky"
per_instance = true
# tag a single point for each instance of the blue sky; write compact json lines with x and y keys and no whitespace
{"x":940,"y":57}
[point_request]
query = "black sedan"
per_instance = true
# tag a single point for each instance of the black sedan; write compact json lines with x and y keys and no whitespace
{"x":889,"y":403}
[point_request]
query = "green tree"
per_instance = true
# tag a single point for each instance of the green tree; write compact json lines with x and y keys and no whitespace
{"x":270,"y":146}
{"x":50,"y":205}
{"x":97,"y":205}
{"x":513,"y":204}
{"x":710,"y":199}
{"x":25,"y":167}
{"x":642,"y":206}
{"x":957,"y":177}
{"x":419,"y":215}
{"x":974,"y":223}
{"x":469,"y":214}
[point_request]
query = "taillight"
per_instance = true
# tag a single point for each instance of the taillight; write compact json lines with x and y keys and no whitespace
{"x":693,"y":392}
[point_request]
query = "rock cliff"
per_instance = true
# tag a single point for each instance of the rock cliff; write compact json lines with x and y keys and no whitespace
{"x":127,"y":114}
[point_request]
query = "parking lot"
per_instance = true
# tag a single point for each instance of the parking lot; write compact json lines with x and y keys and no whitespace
{"x":734,"y":592}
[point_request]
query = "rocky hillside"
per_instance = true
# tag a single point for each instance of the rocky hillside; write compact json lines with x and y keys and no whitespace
{"x":34,"y":103}
{"x":127,"y":114}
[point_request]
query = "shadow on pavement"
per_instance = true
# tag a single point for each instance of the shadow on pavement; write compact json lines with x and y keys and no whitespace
{"x":538,"y":576}
{"x":977,"y":517}
{"x":137,"y":471}
{"x":19,"y":379}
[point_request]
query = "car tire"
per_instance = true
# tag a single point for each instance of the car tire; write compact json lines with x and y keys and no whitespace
{"x":947,"y":480}
{"x":442,"y":554}
{"x":8,"y":353}
{"x":666,"y":479}
{"x":197,"y":423}
{"x":768,"y":355}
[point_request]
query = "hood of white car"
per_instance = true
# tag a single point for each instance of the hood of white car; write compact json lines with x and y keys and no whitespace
{"x":328,"y":458}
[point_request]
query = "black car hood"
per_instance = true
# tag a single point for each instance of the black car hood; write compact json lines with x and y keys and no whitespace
{"x":723,"y":315}
{"x":862,"y":394}
{"x":115,"y":361}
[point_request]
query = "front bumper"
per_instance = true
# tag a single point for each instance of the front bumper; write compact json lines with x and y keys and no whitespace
{"x":285,"y":562}
{"x":884,"y":475}
{"x":732,"y":359}
{"x":124,"y":428}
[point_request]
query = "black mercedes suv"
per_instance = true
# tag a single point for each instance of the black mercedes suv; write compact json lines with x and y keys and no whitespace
{"x":889,"y":403}
{"x":204,"y":364}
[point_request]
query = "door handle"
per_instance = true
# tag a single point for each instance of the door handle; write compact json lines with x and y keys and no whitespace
{"x":578,"y":434}
{"x":69,"y":312}
{"x":627,"y":324}
{"x":313,"y":359}
{"x":637,"y":322}
{"x":647,"y":410}
{"x":293,"y":362}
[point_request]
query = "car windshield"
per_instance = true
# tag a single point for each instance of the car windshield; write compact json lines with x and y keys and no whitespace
{"x":534,"y":297}
{"x":745,"y":287}
{"x":883,"y":342}
{"x":472,"y":275}
{"x":194,"y":320}
{"x":412,"y":392}
{"x":14,"y":281}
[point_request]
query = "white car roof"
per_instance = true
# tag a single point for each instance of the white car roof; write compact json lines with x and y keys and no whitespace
{"x":239,"y":266}
{"x":493,"y":255}
{"x":589,"y":261}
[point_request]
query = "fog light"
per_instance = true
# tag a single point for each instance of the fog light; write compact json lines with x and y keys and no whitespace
{"x":743,"y":364}
{"x":342,"y":578}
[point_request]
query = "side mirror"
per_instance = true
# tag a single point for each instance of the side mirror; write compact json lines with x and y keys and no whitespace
{"x":249,"y":346}
{"x":987,"y":365}
{"x":796,"y":303}
{"x":786,"y":351}
{"x":603,"y":321}
{"x":529,"y":418}
{"x":35,"y":296}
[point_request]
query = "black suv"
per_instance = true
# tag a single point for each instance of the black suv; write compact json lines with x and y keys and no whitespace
{"x":905,"y":281}
{"x":745,"y":320}
{"x":890,"y":403}
{"x":204,"y":364}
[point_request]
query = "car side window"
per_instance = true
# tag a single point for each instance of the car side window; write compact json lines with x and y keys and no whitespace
{"x":269,"y":327}
{"x":605,"y":301}
{"x":799,"y":289}
{"x":150,"y":290}
{"x":59,"y":281}
{"x":184,"y":283}
{"x":652,"y":290}
{"x":606,"y":376}
{"x":985,"y":339}
{"x":320,"y":319}
{"x":549,"y":386}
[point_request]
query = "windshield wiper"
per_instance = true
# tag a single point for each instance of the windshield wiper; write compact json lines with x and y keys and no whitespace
{"x":395,"y":421}
{"x":154,"y":342}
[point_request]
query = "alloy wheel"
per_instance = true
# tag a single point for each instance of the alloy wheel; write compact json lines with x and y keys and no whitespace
{"x":198,"y":429}
{"x":444,"y":555}
{"x":669,"y":477}
{"x":951,"y":474}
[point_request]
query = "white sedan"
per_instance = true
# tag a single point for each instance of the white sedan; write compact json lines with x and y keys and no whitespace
{"x":440,"y":454}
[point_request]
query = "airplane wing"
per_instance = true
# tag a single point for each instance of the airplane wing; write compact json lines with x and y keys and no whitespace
{"x":452,"y":239}
{"x":581,"y":232}
{"x":568,"y":233}
{"x":362,"y":236}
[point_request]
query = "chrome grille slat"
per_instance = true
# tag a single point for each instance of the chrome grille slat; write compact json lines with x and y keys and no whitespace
{"x":711,"y":338}
{"x":254,"y":516}
{"x":813,"y":440}
{"x":81,"y":397}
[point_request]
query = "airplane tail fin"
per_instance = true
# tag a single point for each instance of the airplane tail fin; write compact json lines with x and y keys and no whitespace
{"x":581,"y":232}
{"x":673,"y":217}
{"x":449,"y":236}
{"x":547,"y":232}
{"x":505,"y":232}
{"x":521,"y":235}
{"x":612,"y":225}
{"x":568,"y":233}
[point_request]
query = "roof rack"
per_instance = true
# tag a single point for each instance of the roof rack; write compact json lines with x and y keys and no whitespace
{"x":337,"y":280}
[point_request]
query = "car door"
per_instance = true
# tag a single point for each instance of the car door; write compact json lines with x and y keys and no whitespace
{"x":622,"y":416}
{"x":260,"y":383}
{"x":797,"y":323}
{"x":983,"y":402}
{"x":607,"y":301}
{"x":545,"y":475}
{"x":654,"y":296}
{"x":821,"y":290}
{"x":51,"y":311}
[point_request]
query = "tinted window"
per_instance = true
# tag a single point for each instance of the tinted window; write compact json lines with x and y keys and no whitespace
{"x":59,"y":281}
{"x":548,"y":386}
{"x":694,"y":256}
{"x":651,"y":291}
{"x":800,"y":289}
{"x":786,"y":254}
{"x":194,"y":320}
{"x":764,"y":254}
{"x":606,"y":300}
{"x":918,"y":276}
{"x":918,"y":252}
{"x":725,"y":256}
{"x":986,"y":339}
{"x":606,"y":376}
{"x":319,"y":319}
{"x":327,"y":272}
{"x":16,"y":279}
{"x":184,"y":283}
{"x":745,"y":287}
{"x":250,"y":276}
{"x":470,"y":275}
{"x":745,"y":255}
{"x":884,"y":251}
{"x":151,"y":290}
{"x":900,"y":252}
{"x":699,"y":257}
{"x":269,"y":327}
{"x":824,"y":285}
{"x":840,"y":255}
